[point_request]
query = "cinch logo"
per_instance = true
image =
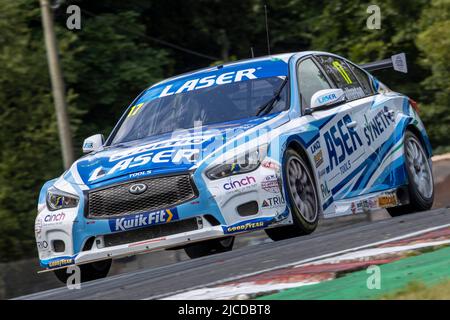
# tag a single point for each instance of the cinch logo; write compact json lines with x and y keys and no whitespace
{"x":142,"y":220}
{"x":56,"y":217}
{"x":239,"y":183}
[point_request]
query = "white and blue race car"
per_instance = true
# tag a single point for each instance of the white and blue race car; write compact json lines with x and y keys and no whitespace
{"x":270,"y":143}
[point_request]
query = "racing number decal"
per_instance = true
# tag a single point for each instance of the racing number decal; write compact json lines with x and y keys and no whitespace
{"x":341,"y":70}
{"x":135,"y":109}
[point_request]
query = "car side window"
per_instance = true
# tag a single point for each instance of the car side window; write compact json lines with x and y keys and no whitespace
{"x":342,"y":76}
{"x":363,"y":79}
{"x":310,"y":80}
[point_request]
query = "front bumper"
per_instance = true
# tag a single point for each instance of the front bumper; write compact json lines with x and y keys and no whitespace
{"x":220,"y":210}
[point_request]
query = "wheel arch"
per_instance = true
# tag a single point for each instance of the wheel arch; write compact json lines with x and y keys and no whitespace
{"x":295,"y":143}
{"x":423,"y":137}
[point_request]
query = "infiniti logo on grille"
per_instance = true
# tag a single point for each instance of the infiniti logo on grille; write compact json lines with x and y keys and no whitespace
{"x":137,"y":188}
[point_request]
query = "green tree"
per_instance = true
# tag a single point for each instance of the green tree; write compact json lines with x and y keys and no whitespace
{"x":105,"y":67}
{"x":434,"y":43}
{"x":29,"y":148}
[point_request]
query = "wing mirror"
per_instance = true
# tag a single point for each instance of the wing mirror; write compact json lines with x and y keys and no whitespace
{"x":93,"y":143}
{"x":326,"y":98}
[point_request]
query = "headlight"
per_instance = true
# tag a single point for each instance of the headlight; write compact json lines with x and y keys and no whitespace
{"x":241,"y":163}
{"x":57,"y":199}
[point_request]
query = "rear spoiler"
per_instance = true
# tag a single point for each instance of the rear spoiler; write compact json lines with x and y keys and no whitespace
{"x":397,"y":61}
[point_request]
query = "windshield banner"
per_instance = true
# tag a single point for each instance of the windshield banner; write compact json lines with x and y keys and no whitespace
{"x":218,"y":76}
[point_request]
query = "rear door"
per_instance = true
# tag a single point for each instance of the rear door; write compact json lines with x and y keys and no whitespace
{"x":376,"y":114}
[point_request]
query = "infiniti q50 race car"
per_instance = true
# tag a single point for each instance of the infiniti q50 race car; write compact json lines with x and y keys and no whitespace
{"x":269,"y":143}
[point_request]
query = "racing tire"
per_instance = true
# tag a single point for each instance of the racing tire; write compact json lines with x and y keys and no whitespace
{"x":420,"y":178}
{"x":302,"y":198}
{"x":209,"y":247}
{"x":88,"y":271}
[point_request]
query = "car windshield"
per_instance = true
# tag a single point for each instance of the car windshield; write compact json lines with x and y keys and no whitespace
{"x":210,"y":105}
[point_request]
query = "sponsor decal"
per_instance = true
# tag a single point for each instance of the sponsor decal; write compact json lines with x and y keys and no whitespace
{"x":345,"y":167}
{"x":239,"y":183}
{"x":315,"y":147}
{"x":166,"y":156}
{"x":215,"y":79}
{"x":175,"y":143}
{"x":318,"y":159}
{"x":271,"y":164}
{"x":386,"y":201}
{"x":322,"y":173}
{"x":369,"y":204}
{"x":354,"y":93}
{"x":88,"y":145}
{"x":143,"y":220}
{"x":42,"y":245}
{"x":273,"y":202}
{"x":248,"y":225}
{"x":317,"y":153}
{"x":326,"y":98}
{"x":342,"y":71}
{"x":140,"y":174}
{"x":377,"y":125}
{"x":325,"y":190}
{"x":270,"y":184}
{"x":55,"y":217}
{"x":341,"y":142}
{"x":61,"y":262}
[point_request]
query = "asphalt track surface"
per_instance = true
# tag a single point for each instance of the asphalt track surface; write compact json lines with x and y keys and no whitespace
{"x":164,"y":281}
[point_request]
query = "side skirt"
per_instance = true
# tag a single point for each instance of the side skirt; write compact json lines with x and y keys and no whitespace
{"x":370,"y":202}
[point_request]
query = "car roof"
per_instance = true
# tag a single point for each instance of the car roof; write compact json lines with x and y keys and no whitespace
{"x":283,"y":56}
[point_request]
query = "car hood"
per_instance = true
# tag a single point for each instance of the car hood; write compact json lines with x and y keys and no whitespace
{"x":163,"y":154}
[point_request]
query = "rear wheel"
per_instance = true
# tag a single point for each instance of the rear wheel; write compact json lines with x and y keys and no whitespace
{"x":303,"y":199}
{"x":206,"y":248}
{"x":420,"y":177}
{"x":88,"y":271}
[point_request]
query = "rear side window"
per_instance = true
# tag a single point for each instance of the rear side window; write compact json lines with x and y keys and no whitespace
{"x":310,"y":80}
{"x":342,"y":76}
{"x":363,"y":79}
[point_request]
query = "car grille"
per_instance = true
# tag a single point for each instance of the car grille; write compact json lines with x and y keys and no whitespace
{"x":161,"y":193}
{"x":151,"y":232}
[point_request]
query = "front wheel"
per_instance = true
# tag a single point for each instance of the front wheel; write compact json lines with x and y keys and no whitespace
{"x":303,"y":199}
{"x":206,"y":248}
{"x":420,"y":177}
{"x":88,"y":271}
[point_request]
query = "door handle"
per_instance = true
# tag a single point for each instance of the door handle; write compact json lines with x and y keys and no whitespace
{"x":352,"y":124}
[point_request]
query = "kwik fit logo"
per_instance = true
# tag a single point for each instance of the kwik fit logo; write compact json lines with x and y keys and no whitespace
{"x":143,"y":219}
